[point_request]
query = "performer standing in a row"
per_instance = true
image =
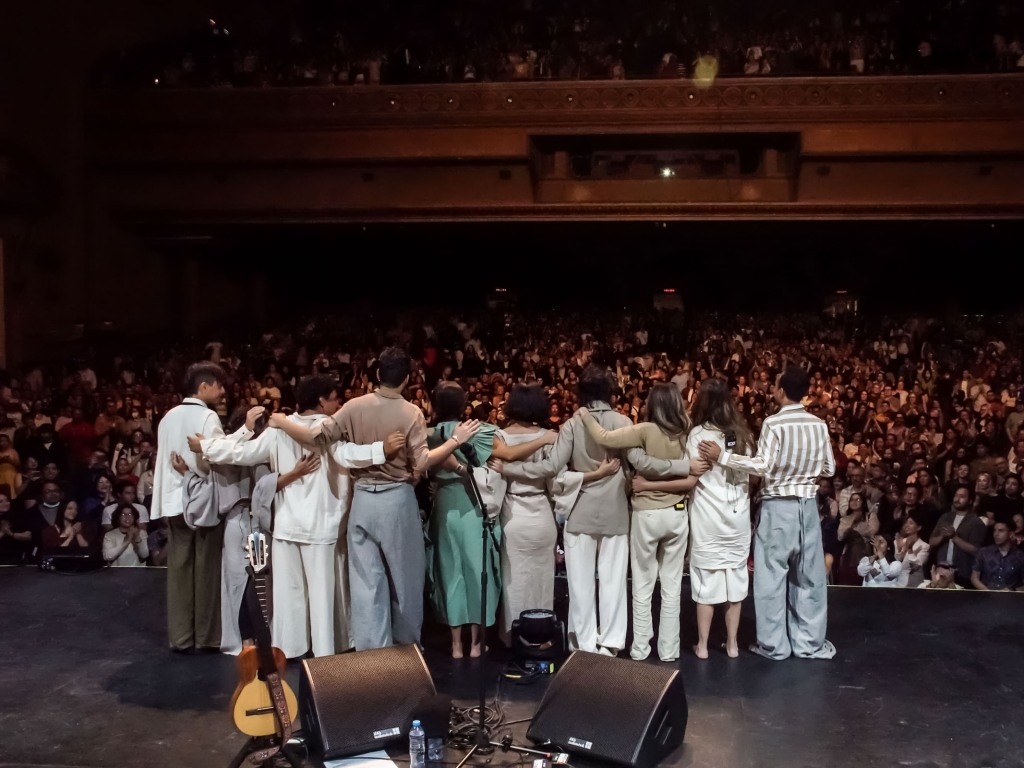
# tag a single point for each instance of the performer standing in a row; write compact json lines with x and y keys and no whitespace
{"x":385,"y":533}
{"x":193,"y":555}
{"x":790,"y":587}
{"x":309,"y":516}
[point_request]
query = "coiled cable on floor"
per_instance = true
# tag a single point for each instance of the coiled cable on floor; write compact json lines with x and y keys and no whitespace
{"x":465,"y":720}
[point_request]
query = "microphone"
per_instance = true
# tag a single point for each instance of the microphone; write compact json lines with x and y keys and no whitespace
{"x":730,"y":440}
{"x":470,"y":453}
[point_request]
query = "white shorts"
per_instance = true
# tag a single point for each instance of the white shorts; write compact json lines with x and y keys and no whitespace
{"x":722,"y":585}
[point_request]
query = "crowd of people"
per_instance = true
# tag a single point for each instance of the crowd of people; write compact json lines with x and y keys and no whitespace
{"x":597,"y":431}
{"x":398,"y":42}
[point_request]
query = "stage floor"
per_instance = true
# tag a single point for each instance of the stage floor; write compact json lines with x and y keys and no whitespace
{"x":921,"y":679}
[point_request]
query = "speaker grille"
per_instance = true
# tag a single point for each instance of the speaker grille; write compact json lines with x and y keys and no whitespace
{"x":358,"y":702}
{"x":623,"y":711}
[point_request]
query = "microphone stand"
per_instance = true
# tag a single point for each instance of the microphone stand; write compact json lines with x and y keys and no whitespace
{"x":482,"y":743}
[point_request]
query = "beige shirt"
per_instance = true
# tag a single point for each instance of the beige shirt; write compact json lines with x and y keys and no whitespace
{"x":371,"y":418}
{"x":646,"y":435}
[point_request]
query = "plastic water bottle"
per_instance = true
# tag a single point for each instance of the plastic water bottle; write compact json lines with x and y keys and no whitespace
{"x":417,"y":746}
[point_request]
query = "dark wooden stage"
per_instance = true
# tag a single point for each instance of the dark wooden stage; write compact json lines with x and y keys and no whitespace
{"x":921,"y":679}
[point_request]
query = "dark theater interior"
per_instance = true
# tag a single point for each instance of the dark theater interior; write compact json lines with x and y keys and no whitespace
{"x":564,"y":377}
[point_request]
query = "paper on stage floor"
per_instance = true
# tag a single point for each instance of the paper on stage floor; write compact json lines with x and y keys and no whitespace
{"x":378,"y":759}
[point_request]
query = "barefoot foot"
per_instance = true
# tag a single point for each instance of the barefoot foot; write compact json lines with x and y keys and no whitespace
{"x":456,"y":651}
{"x":700,"y":652}
{"x":475,"y":651}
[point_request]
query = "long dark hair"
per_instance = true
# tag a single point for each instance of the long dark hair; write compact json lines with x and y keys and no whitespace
{"x":715,"y":406}
{"x":666,"y":409}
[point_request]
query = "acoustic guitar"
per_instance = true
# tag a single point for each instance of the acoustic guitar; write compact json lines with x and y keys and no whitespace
{"x":262,"y":696}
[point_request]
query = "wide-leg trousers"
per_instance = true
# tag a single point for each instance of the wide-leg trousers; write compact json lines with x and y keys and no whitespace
{"x":657,"y":552}
{"x":790,"y":585}
{"x":303,"y":598}
{"x":386,"y":559}
{"x":193,"y":584}
{"x":596,"y":568}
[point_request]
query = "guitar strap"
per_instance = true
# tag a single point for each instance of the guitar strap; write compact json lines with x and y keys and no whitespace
{"x":273,"y":677}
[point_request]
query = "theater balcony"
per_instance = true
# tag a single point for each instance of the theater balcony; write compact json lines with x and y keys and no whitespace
{"x":920,"y":146}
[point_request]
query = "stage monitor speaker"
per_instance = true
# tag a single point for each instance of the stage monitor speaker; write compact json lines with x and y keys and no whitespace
{"x":614,"y":710}
{"x":359,"y":702}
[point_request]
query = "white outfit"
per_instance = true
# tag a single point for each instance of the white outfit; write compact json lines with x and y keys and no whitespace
{"x":719,"y":528}
{"x":309,"y":515}
{"x":132,"y":555}
{"x":529,"y":534}
{"x":912,"y":572}
{"x":180,"y":423}
{"x":657,"y":548}
{"x":880,"y":573}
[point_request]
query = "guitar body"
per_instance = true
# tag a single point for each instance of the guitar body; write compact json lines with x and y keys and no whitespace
{"x":255,"y":709}
{"x":251,"y":704}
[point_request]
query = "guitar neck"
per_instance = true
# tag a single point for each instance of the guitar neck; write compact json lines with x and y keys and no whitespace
{"x":261,"y":583}
{"x":258,"y":603}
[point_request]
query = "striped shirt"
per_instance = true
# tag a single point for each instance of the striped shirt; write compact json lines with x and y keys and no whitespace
{"x":793,"y":452}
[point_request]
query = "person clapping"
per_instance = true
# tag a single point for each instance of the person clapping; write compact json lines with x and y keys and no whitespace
{"x":126,"y":544}
{"x":876,"y":569}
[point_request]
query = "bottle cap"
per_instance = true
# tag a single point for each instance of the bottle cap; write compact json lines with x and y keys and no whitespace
{"x":415,"y":723}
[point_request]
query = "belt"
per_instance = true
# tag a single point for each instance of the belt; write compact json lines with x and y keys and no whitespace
{"x":379,"y":487}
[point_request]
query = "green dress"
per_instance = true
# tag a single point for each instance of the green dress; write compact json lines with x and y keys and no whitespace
{"x":456,"y":550}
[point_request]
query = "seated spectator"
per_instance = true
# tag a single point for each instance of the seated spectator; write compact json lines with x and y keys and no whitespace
{"x":101,"y":497}
{"x":10,"y":466}
{"x":156,"y":540}
{"x":960,"y":478}
{"x":68,"y":533}
{"x":876,"y":569}
{"x":958,"y":536}
{"x":828,"y":514}
{"x":1005,"y":504}
{"x":1018,"y":529}
{"x":856,"y":474}
{"x":15,"y":534}
{"x":999,"y":567}
{"x":123,"y":472}
{"x":127,"y":544}
{"x":911,"y":551}
{"x":855,"y":532}
{"x":125,"y":490}
{"x":942,"y":577}
{"x":30,"y":478}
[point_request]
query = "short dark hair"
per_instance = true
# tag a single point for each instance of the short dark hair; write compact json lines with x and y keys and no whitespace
{"x":596,"y":385}
{"x":449,"y":399}
{"x":311,"y":389}
{"x":393,"y":366}
{"x":202,"y":373}
{"x":237,"y":417}
{"x":120,"y":486}
{"x":116,"y":514}
{"x":795,"y":382}
{"x":482,"y":411}
{"x":970,"y":491}
{"x":528,"y":403}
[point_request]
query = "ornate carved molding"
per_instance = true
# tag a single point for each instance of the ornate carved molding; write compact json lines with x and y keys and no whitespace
{"x":649,"y":102}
